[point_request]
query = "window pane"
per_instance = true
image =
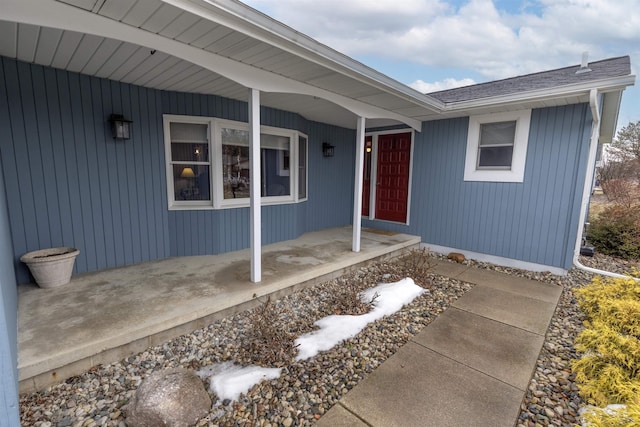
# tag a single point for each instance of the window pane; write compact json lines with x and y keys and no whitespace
{"x":188,"y":132}
{"x":235,"y":137}
{"x":275,"y":172}
{"x":302,"y":167}
{"x":191,"y":182}
{"x":235,"y":170}
{"x":497,"y":133}
{"x":274,"y":164}
{"x":275,"y":142}
{"x":189,"y":152}
{"x":495,"y":157}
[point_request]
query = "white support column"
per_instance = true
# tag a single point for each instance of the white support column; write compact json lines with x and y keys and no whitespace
{"x":254,"y":194}
{"x":357,"y":190}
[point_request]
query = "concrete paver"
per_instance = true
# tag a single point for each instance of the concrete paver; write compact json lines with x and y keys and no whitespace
{"x":508,"y":283}
{"x":506,"y":353}
{"x":338,"y":416}
{"x":419,"y":387}
{"x":449,"y":269}
{"x":470,"y":367}
{"x":507,"y":307}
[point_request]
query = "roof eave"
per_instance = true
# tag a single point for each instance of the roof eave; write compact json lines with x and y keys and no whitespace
{"x":602,"y":85}
{"x":242,"y":18}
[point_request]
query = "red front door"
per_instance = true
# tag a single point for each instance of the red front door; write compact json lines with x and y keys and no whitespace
{"x":392,"y":181}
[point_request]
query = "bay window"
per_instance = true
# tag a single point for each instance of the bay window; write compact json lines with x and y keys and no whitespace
{"x":208,"y":163}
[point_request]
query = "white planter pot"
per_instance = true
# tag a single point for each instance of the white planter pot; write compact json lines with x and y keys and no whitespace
{"x":51,"y":267}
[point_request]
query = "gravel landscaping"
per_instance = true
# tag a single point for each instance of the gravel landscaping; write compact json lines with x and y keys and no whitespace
{"x":552,"y":397}
{"x":307,"y":389}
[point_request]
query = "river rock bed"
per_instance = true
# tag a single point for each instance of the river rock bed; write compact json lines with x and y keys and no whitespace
{"x":304,"y":391}
{"x":552,"y":396}
{"x":307,"y":389}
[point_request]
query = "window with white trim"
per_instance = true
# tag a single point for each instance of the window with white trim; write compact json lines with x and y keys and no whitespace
{"x":302,"y":167}
{"x":497,"y":147}
{"x":208,"y":163}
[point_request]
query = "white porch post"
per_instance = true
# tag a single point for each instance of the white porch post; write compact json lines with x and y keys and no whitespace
{"x":254,"y":188}
{"x":357,"y":191}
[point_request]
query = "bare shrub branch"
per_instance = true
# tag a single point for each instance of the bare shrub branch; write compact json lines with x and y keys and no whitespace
{"x":417,"y":264}
{"x":268,"y":341}
{"x":348,"y":300}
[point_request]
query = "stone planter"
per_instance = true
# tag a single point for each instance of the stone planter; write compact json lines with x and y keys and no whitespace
{"x":51,"y":267}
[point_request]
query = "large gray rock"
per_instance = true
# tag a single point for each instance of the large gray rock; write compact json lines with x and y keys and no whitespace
{"x":169,"y":398}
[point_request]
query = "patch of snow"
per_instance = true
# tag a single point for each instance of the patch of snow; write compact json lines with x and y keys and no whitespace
{"x":336,"y":328}
{"x":609,"y":409}
{"x":227,"y":380}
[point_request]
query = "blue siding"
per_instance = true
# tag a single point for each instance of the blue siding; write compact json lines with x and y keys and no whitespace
{"x":68,"y":183}
{"x":534,"y":221}
{"x":9,"y":413}
{"x":331,"y":179}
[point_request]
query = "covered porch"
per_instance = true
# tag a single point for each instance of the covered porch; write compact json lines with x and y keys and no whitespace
{"x":105,"y":316}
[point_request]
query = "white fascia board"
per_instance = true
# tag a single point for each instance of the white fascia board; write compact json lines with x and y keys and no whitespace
{"x":609,"y":116}
{"x":51,"y":13}
{"x":604,"y":85}
{"x":255,"y":24}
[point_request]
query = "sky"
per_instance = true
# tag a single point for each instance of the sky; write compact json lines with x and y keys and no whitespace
{"x":439,"y":44}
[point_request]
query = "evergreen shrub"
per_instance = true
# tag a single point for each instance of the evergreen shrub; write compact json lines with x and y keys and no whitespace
{"x":616,"y":231}
{"x":609,"y":370}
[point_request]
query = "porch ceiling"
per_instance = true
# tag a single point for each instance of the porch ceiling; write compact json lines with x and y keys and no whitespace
{"x":133,"y":62}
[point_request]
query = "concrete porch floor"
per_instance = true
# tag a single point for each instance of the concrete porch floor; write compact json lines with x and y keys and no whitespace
{"x":105,"y":316}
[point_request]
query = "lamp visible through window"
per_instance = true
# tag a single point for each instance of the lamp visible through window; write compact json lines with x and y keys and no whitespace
{"x":187,"y":173}
{"x":120,"y":127}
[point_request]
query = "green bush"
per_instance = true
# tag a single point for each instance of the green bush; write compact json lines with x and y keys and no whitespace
{"x":617,"y":231}
{"x":609,"y":370}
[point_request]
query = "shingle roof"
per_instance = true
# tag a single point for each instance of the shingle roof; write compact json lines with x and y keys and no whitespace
{"x":608,"y":68}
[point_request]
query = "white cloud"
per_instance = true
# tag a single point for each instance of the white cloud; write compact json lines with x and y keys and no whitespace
{"x":425,"y":87}
{"x":476,"y":35}
{"x":475,"y":39}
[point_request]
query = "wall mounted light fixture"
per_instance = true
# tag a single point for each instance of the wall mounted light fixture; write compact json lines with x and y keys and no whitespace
{"x":327,"y":150}
{"x":120,"y":127}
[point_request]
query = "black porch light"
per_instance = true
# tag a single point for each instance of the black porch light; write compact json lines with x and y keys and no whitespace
{"x":120,"y":127}
{"x":327,"y":149}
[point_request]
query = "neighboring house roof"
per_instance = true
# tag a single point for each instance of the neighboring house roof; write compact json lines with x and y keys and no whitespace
{"x":224,"y":47}
{"x":599,"y":70}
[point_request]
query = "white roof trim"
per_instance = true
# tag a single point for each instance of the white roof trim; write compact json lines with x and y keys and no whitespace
{"x":240,"y":17}
{"x":50,"y":13}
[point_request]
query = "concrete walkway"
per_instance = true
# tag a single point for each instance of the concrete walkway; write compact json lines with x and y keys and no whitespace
{"x":470,"y":367}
